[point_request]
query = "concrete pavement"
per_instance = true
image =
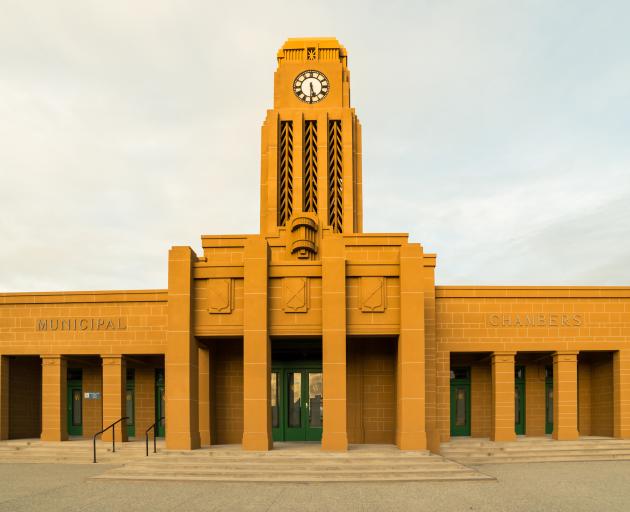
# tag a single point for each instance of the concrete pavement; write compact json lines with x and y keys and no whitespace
{"x":564,"y":486}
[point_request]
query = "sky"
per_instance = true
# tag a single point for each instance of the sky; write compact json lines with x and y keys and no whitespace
{"x":495,"y":133}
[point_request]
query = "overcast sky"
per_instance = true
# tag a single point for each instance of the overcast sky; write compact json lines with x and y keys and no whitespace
{"x":496,"y":133}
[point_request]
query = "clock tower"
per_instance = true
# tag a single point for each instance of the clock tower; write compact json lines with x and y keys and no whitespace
{"x":311,"y":144}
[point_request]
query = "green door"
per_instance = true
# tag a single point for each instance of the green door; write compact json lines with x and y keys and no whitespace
{"x":297,"y":408}
{"x":130,"y":402}
{"x":549,"y":400}
{"x":159,"y":401}
{"x":460,"y":401}
{"x":75,"y":402}
{"x":519,"y":400}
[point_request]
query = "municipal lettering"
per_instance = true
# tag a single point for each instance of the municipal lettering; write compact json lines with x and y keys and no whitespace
{"x":81,"y":324}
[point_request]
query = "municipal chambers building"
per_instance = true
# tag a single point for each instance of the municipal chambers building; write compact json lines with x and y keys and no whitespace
{"x":313,"y":330}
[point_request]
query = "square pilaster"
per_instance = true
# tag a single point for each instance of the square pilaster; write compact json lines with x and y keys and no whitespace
{"x":114,"y":388}
{"x":54,"y":398}
{"x":204,"y":396}
{"x":335,"y":431}
{"x":621,"y":394}
{"x":181,"y":367}
{"x":410,"y":385}
{"x":503,"y":414}
{"x":256,"y":348}
{"x":4,"y":398}
{"x":565,"y":396}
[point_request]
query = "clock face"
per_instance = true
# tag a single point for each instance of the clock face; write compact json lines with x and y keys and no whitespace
{"x":311,"y":86}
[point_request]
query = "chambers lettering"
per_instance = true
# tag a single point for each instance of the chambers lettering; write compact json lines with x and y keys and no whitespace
{"x":81,"y":324}
{"x":535,"y":320}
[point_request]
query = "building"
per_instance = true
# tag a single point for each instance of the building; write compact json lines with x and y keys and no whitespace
{"x":312,"y":329}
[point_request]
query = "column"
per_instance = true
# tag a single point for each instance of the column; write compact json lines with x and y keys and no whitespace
{"x":410,"y":378}
{"x":54,"y":398}
{"x":256,"y":348}
{"x":204,"y":396}
{"x":181,"y":367}
{"x":114,"y":388}
{"x":503,"y":418}
{"x":565,"y":396}
{"x":621,"y":394}
{"x":4,"y":398}
{"x":335,"y":433}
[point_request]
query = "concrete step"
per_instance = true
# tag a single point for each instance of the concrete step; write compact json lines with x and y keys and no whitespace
{"x":275,"y":475}
{"x":292,"y":478}
{"x":468,"y":451}
{"x":220,"y":453}
{"x":433,"y":459}
{"x":299,"y":464}
{"x":68,"y":452}
{"x":213,"y":469}
{"x":473,"y":461}
{"x":137,"y":466}
{"x":534,"y":444}
{"x":516,"y":453}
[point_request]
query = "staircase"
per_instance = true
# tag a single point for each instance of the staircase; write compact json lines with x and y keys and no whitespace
{"x":472,"y":451}
{"x":294,"y":463}
{"x":70,"y":452}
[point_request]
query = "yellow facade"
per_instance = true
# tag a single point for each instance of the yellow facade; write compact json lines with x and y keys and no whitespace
{"x":312,"y":329}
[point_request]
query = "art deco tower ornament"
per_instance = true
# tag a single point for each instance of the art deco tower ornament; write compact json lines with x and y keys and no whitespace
{"x":311,"y":148}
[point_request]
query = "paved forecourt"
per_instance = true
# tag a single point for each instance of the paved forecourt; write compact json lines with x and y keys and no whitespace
{"x":565,"y":486}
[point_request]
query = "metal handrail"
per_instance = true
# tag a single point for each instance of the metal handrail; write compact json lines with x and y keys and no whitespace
{"x":113,"y":436}
{"x":146,"y":436}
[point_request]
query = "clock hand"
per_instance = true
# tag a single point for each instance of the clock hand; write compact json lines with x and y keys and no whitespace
{"x":312,"y":91}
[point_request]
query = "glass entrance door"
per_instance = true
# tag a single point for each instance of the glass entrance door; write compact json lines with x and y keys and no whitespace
{"x":75,"y":402}
{"x":297,"y":408}
{"x":519,"y":400}
{"x":460,"y":402}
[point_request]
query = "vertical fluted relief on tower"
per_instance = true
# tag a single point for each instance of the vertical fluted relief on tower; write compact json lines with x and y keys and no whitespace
{"x":311,"y":150}
{"x":310,"y":167}
{"x":335,"y":177}
{"x":285,"y":172}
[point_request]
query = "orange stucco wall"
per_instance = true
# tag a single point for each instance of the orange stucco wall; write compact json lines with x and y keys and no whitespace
{"x":534,"y":399}
{"x":540,"y":320}
{"x":141,"y":313}
{"x":25,"y":397}
{"x":602,"y":398}
{"x":92,"y":409}
{"x":227,"y":387}
{"x":371,"y":390}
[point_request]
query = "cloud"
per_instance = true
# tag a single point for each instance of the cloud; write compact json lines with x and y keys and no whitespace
{"x":494,"y":134}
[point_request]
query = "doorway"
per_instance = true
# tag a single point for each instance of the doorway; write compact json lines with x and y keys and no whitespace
{"x":460,"y":401}
{"x":75,"y":402}
{"x":297,"y":408}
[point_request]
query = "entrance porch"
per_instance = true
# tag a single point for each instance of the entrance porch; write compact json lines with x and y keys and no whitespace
{"x":567,"y":395}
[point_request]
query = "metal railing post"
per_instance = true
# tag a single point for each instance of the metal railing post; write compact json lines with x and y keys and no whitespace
{"x":146,"y":436}
{"x":112,"y":426}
